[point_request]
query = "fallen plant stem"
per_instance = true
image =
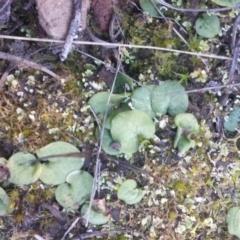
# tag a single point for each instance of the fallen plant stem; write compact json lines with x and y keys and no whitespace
{"x":197,"y":10}
{"x":118,"y":45}
{"x":102,"y":233}
{"x":97,"y":166}
{"x":234,"y":62}
{"x":75,"y":23}
{"x":70,"y":228}
{"x":6,"y":3}
{"x":234,"y":32}
{"x":73,"y":154}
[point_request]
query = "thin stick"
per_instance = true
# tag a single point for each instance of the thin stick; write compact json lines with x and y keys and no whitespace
{"x":97,"y":166}
{"x":75,"y":23}
{"x":119,"y":45}
{"x":198,"y":10}
{"x":102,"y":233}
{"x":234,"y":62}
{"x":70,"y":228}
{"x":7,"y":2}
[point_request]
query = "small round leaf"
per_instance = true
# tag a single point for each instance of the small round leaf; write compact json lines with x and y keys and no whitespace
{"x":147,"y":6}
{"x":55,"y":170}
{"x":76,"y":191}
{"x":23,"y":168}
{"x":233,"y":221}
{"x":99,"y":213}
{"x":187,"y":125}
{"x":226,"y":3}
{"x":129,"y":193}
{"x":207,"y":26}
{"x":5,"y":203}
{"x":169,"y":97}
{"x":141,"y":99}
{"x":98,"y":101}
{"x":113,"y":112}
{"x":187,"y":121}
{"x":107,"y":141}
{"x":127,"y":127}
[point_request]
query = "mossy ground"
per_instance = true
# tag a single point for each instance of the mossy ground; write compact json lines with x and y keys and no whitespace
{"x":187,"y":196}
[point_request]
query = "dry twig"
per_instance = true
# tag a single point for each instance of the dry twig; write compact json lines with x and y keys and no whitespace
{"x":74,"y":26}
{"x":119,"y":45}
{"x":197,"y":10}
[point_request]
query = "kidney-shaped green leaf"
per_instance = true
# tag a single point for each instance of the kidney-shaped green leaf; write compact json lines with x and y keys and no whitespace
{"x":113,"y":112}
{"x":233,"y":221}
{"x":187,"y":125}
{"x":129,"y":193}
{"x":231,"y":123}
{"x":207,"y":26}
{"x":23,"y":169}
{"x":108,"y":143}
{"x":5,"y":203}
{"x":226,"y":3}
{"x":147,"y":6}
{"x":141,"y":99}
{"x":169,"y":97}
{"x":98,"y":101}
{"x":75,"y":191}
{"x":55,"y":170}
{"x":99,"y":213}
{"x":127,"y":127}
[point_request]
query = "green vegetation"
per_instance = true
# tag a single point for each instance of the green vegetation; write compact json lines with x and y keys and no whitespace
{"x":207,"y":26}
{"x":169,"y":156}
{"x":129,"y":193}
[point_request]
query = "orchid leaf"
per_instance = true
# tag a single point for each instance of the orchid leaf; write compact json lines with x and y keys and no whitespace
{"x":99,"y":213}
{"x":5,"y":208}
{"x":98,"y":101}
{"x":141,"y":99}
{"x":24,"y":169}
{"x":187,"y":125}
{"x":233,"y":221}
{"x":147,"y":6}
{"x":129,"y":193}
{"x":75,"y":191}
{"x":56,"y":169}
{"x":169,"y":97}
{"x":231,"y":123}
{"x":207,"y":26}
{"x":226,"y":3}
{"x":127,"y":127}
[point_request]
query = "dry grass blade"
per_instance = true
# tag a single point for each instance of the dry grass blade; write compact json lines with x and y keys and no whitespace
{"x":197,"y":10}
{"x":98,"y":163}
{"x":119,"y":45}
